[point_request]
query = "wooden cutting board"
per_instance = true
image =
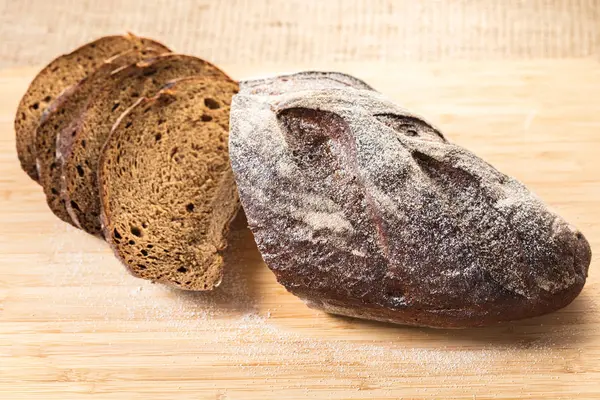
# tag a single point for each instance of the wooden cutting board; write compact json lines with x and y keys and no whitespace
{"x":74,"y":324}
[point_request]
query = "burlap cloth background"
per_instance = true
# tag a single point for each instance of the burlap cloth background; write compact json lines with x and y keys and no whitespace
{"x":304,"y":31}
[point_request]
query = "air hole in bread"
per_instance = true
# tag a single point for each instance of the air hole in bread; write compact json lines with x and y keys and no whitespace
{"x":74,"y":132}
{"x":158,"y":136}
{"x":206,"y":118}
{"x":47,"y":99}
{"x":35,"y":106}
{"x":115,"y":106}
{"x":144,"y":252}
{"x":141,"y":266}
{"x":83,"y":144}
{"x":79,"y":170}
{"x":144,"y":225}
{"x":127,"y":125}
{"x":116,"y":234}
{"x":174,"y":151}
{"x":52,"y":166}
{"x":149,"y":246}
{"x":131,"y":242}
{"x":183,"y":270}
{"x":54,"y":191}
{"x":190,"y":207}
{"x":161,"y":121}
{"x":136,"y":231}
{"x":75,"y":206}
{"x":211,"y":103}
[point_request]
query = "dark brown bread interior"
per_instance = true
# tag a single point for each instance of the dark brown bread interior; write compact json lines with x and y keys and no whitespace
{"x":57,"y":76}
{"x":167,"y":189}
{"x":63,"y":115}
{"x":79,"y":166}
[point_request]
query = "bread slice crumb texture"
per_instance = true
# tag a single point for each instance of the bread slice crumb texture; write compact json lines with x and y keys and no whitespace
{"x":79,"y":167}
{"x":64,"y":115}
{"x":57,"y":76}
{"x":166,"y":185}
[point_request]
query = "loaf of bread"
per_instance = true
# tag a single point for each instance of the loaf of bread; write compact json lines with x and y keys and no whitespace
{"x":63,"y":115}
{"x":125,"y":86}
{"x":57,"y":76}
{"x":358,"y":206}
{"x":363,"y":209}
{"x":166,"y":186}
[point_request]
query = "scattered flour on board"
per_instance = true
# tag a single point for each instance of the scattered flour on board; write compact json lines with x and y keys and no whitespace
{"x":251,"y":339}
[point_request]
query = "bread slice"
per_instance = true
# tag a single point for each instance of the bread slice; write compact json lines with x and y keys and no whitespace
{"x":79,"y":164}
{"x":166,"y":185}
{"x":57,"y":76}
{"x":63,"y":115}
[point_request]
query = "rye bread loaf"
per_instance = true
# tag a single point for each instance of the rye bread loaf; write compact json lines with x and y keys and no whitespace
{"x":63,"y":115}
{"x":57,"y":76}
{"x":166,"y":186}
{"x":125,"y":86}
{"x":306,"y":80}
{"x":363,"y":209}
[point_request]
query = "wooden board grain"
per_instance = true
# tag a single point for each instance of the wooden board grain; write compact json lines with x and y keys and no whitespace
{"x":74,"y":325}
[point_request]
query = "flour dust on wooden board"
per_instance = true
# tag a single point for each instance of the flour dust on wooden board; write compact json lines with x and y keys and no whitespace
{"x":246,"y":329}
{"x":74,"y":324}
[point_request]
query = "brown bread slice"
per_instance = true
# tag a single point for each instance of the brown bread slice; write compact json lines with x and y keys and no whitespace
{"x":61,"y":73}
{"x":62,"y":115}
{"x":79,"y":184}
{"x":166,"y":185}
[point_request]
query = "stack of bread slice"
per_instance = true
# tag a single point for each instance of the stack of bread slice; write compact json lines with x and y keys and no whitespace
{"x":129,"y":143}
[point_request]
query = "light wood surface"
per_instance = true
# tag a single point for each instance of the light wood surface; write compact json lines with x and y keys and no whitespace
{"x":74,"y":324}
{"x":252,"y":32}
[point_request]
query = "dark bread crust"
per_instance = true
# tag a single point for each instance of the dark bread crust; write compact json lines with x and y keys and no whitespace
{"x":61,"y":119}
{"x":58,"y":75}
{"x":120,"y":91}
{"x":166,"y":187}
{"x":366,"y":210}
